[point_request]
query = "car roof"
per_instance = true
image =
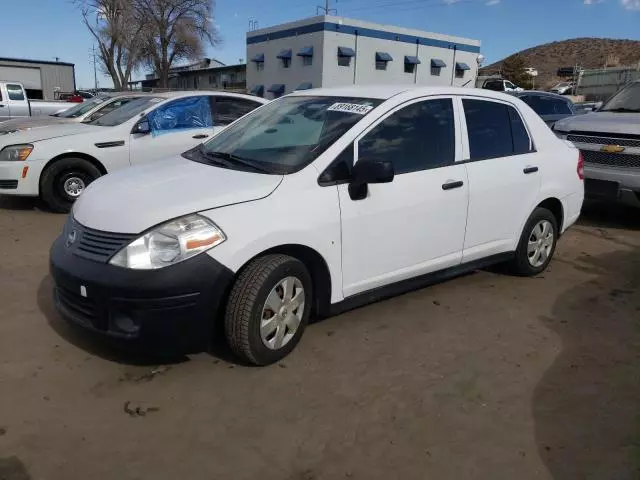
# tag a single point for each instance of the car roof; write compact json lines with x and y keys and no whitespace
{"x":384,"y":92}
{"x":540,"y":93}
{"x":218,"y":93}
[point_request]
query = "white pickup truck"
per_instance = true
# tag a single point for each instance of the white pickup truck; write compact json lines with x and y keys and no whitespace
{"x":14,"y":103}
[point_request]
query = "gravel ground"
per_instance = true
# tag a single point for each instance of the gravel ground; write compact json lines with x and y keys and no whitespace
{"x":483,"y":377}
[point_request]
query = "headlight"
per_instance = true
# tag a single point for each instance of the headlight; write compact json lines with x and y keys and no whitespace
{"x":15,"y":153}
{"x":170,"y":243}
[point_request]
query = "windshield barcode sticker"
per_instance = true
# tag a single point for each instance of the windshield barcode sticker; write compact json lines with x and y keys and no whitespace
{"x":350,"y":108}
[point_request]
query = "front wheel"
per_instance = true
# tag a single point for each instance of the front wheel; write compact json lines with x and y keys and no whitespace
{"x":64,"y":181}
{"x":537,"y":243}
{"x":268,"y":309}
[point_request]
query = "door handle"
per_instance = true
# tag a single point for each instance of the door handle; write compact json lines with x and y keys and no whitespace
{"x":202,"y":135}
{"x":1,"y":105}
{"x":528,"y":170}
{"x":451,"y":184}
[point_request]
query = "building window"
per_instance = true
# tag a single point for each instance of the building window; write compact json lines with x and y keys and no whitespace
{"x":435,"y":71}
{"x":307,"y":61}
{"x":285,"y":56}
{"x":381,"y":65}
{"x":461,"y":68}
{"x":344,"y":56}
{"x":409,"y":68}
{"x":259,"y":66}
{"x":382,"y":58}
{"x":344,"y":61}
{"x":286,"y":62}
{"x":459,"y":73}
{"x":210,"y":79}
{"x":410,"y":63}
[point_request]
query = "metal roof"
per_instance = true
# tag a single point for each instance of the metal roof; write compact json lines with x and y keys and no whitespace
{"x":41,"y":62}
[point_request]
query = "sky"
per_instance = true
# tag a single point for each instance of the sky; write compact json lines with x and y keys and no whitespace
{"x":46,"y":29}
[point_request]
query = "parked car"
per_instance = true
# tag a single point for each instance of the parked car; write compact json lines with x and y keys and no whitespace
{"x":609,"y":140}
{"x":549,"y":106}
{"x":59,"y":161}
{"x":14,"y":103}
{"x":500,"y":85}
{"x":564,"y":88}
{"x":86,"y":111}
{"x":317,"y":202}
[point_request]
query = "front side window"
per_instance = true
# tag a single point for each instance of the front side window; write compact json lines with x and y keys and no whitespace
{"x":181,"y":114}
{"x":418,"y":137}
{"x":15,"y":92}
{"x":495,"y":85}
{"x":495,"y":130}
{"x":546,"y":105}
{"x":228,"y":109}
{"x":126,"y":112}
{"x":285,"y":135}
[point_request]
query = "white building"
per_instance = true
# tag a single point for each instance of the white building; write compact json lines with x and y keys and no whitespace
{"x":328,"y":51}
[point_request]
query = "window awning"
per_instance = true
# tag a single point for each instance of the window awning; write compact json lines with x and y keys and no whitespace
{"x":462,"y":66}
{"x":286,"y":53}
{"x":276,"y":88}
{"x":258,"y":58}
{"x":383,"y":57}
{"x":411,"y":60}
{"x":306,"y":52}
{"x":258,"y":90}
{"x":305,"y":86}
{"x":437,"y":63}
{"x":346,"y":52}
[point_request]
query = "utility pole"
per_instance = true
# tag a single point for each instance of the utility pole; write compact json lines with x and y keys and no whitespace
{"x":95,"y":71}
{"x":326,"y":9}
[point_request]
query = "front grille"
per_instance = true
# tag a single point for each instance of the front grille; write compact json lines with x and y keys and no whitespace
{"x":623,"y":142}
{"x":82,"y":309}
{"x":98,"y":245}
{"x":611,"y":159}
{"x":9,"y":184}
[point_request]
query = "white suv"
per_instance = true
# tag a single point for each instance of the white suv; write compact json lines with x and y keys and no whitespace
{"x":317,"y":202}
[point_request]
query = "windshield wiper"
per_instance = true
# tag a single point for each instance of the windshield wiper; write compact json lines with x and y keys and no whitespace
{"x":622,"y":110}
{"x":230,"y":157}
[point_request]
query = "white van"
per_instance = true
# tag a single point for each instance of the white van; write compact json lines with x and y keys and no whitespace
{"x":317,"y":202}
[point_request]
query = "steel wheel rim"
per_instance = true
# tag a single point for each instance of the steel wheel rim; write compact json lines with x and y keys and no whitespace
{"x":73,"y":186}
{"x":282,"y":313}
{"x":540,"y":243}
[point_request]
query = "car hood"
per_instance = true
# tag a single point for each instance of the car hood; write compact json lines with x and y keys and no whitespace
{"x":602,"y":122}
{"x":16,"y":124}
{"x":134,"y":199}
{"x":30,"y":135}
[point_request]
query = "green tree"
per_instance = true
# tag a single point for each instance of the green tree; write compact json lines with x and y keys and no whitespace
{"x":514,"y":70}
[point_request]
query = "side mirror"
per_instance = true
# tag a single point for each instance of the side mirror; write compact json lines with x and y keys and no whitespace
{"x":369,"y":171}
{"x":142,"y":127}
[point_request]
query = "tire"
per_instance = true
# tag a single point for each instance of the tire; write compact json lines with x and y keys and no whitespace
{"x":526,"y":263}
{"x":52,"y":183}
{"x":248,"y":308}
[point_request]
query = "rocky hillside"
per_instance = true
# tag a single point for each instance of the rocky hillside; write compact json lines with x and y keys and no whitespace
{"x":586,"y":52}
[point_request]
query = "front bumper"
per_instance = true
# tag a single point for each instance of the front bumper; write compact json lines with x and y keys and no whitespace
{"x":609,"y":183}
{"x":175,"y":305}
{"x":14,"y":180}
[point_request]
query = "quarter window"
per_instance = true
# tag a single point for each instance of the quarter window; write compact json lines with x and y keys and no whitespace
{"x":418,"y":137}
{"x":495,"y":130}
{"x":228,"y":110}
{"x":15,"y":92}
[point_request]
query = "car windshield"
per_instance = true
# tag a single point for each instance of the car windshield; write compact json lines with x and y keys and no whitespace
{"x":80,"y":109}
{"x":626,"y":100}
{"x":126,"y":112}
{"x":563,"y":84}
{"x":285,"y":135}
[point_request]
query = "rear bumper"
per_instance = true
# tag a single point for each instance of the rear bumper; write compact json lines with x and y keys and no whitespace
{"x":175,"y":305}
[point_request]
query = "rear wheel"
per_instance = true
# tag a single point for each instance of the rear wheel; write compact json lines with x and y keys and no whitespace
{"x":537,"y":243}
{"x":268,"y":309}
{"x":64,"y":181}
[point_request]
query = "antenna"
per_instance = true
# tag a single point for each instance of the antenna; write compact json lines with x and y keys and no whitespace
{"x":326,"y":9}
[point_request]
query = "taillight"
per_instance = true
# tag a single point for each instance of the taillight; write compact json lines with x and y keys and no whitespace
{"x":580,"y":166}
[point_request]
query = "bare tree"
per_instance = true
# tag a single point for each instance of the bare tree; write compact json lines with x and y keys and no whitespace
{"x":119,"y":35}
{"x":175,"y":30}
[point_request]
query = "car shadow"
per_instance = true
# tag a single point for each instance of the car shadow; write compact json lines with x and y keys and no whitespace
{"x":610,"y":215}
{"x":8,"y":202}
{"x":112,"y":349}
{"x":586,"y":407}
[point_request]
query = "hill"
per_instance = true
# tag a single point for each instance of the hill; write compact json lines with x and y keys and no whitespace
{"x":585,"y":52}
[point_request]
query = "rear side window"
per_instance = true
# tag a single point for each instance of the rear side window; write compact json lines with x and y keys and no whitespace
{"x":418,"y":137}
{"x":15,"y":92}
{"x":495,"y":130}
{"x":496,"y":85}
{"x":228,"y":110}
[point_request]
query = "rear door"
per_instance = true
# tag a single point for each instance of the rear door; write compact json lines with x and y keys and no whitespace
{"x":176,"y":127}
{"x":504,"y":177}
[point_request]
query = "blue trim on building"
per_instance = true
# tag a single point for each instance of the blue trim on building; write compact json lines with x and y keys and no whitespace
{"x":383,"y":57}
{"x":306,"y":52}
{"x":286,"y":53}
{"x":412,"y":60}
{"x":462,"y":66}
{"x":258,"y":90}
{"x":437,"y":63}
{"x":346,"y":52}
{"x":258,"y":58}
{"x":362,"y":32}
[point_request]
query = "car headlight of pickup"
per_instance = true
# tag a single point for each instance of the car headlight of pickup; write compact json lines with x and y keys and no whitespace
{"x":15,"y":153}
{"x":170,"y":243}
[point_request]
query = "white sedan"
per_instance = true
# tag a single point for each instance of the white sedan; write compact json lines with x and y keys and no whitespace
{"x":57,"y":162}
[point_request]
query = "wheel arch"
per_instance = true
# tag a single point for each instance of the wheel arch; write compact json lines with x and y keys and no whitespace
{"x":92,"y":160}
{"x":554,"y":205}
{"x":318,"y":269}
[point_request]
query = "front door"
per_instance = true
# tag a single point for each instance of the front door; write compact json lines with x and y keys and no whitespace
{"x":176,"y":127}
{"x":415,"y":224}
{"x":504,"y":177}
